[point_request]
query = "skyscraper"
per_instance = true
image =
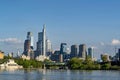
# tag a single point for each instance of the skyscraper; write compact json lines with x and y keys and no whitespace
{"x":44,"y":40}
{"x":48,"y":47}
{"x":27,"y":48}
{"x":28,"y":45}
{"x":62,"y":51}
{"x":74,"y":51}
{"x":41,"y":44}
{"x":90,"y":52}
{"x":82,"y":51}
{"x":30,"y":38}
{"x":63,"y":48}
{"x":119,"y":54}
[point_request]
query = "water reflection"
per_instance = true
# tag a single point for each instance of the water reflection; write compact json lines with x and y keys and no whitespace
{"x":58,"y":75}
{"x":34,"y":74}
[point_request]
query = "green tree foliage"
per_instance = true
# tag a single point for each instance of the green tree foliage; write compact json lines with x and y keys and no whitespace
{"x":88,"y":64}
{"x":106,"y":66}
{"x":29,"y":63}
{"x":104,"y":58}
{"x":75,"y":63}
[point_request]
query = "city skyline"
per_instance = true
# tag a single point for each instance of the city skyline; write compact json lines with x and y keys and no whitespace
{"x":94,"y":23}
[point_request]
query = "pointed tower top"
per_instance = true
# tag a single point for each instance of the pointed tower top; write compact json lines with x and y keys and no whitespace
{"x":44,"y":26}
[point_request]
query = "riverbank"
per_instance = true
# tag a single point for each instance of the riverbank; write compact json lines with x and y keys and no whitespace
{"x":73,"y":64}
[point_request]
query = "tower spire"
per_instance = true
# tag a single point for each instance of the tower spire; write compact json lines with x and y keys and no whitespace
{"x":44,"y":26}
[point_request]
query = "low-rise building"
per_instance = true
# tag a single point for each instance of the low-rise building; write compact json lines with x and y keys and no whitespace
{"x":10,"y":64}
{"x":24,"y":57}
{"x":41,"y":58}
{"x":1,"y":55}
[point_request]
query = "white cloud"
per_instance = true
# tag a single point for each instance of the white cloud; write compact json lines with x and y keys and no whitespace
{"x":11,"y":41}
{"x":115,"y":42}
{"x":11,"y":45}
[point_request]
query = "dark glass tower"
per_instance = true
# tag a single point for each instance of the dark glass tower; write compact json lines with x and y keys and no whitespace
{"x":82,"y":51}
{"x":74,"y":51}
{"x":28,"y":45}
{"x":41,"y":44}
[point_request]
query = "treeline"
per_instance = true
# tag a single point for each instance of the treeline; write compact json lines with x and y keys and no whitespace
{"x":29,"y":63}
{"x":73,"y":64}
{"x":24,"y":63}
{"x":88,"y":64}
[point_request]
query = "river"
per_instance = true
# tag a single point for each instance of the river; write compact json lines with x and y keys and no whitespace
{"x":59,"y":75}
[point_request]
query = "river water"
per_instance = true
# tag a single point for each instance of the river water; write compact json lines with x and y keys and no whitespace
{"x":58,"y":75}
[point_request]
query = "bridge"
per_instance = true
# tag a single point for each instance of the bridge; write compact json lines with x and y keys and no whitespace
{"x":58,"y":65}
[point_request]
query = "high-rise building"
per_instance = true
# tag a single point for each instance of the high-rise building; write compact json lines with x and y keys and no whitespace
{"x":27,"y":48}
{"x":28,"y":45}
{"x":82,"y":51}
{"x":44,"y":40}
{"x":30,"y":38}
{"x":55,"y":56}
{"x":18,"y":53}
{"x":40,"y":53}
{"x":48,"y":47}
{"x":90,"y":52}
{"x":119,"y":54}
{"x":63,"y":49}
{"x":41,"y":44}
{"x":74,"y":51}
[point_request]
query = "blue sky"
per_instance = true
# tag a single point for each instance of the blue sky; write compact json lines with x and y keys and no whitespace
{"x":94,"y":22}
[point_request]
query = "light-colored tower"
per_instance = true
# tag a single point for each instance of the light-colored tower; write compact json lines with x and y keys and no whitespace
{"x":18,"y":53}
{"x":48,"y":46}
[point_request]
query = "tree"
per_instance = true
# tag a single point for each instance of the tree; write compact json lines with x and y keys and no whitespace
{"x":75,"y":63}
{"x":106,"y":66}
{"x":104,"y":58}
{"x":88,"y":63}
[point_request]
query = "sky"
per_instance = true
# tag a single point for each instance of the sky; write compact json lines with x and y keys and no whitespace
{"x":95,"y":23}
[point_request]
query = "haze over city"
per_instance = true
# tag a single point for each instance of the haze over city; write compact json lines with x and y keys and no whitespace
{"x":92,"y":22}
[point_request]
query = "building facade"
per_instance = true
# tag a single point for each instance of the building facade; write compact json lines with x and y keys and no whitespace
{"x":1,"y":55}
{"x":63,"y":52}
{"x":48,"y":47}
{"x":30,"y":38}
{"x":41,"y":44}
{"x":82,"y":51}
{"x":28,"y":46}
{"x":90,"y":52}
{"x":55,"y":56}
{"x":119,"y":54}
{"x":41,"y":51}
{"x":74,"y":51}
